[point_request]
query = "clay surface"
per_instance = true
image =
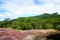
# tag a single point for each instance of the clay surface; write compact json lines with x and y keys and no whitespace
{"x":13,"y":34}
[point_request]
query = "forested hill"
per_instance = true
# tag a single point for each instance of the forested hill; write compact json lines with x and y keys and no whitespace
{"x":44,"y":21}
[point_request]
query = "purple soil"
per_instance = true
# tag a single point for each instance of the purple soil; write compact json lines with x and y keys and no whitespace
{"x":12,"y":34}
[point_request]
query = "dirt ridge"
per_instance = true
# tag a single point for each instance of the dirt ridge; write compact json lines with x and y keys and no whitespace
{"x":13,"y":34}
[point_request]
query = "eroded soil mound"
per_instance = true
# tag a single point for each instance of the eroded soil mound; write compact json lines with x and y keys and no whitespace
{"x":12,"y":34}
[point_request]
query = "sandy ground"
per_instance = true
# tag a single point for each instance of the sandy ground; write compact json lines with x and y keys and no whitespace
{"x":13,"y":34}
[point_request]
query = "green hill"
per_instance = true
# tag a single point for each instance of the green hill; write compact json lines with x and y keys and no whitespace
{"x":43,"y":21}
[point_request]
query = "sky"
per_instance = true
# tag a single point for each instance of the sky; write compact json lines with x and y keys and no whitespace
{"x":23,"y":8}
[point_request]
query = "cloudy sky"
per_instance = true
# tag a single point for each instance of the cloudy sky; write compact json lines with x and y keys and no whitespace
{"x":21,"y":8}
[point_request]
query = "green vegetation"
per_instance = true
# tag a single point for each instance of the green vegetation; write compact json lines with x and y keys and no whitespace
{"x":44,"y":21}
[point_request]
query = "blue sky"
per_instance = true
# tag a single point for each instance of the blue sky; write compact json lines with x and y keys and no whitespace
{"x":20,"y":8}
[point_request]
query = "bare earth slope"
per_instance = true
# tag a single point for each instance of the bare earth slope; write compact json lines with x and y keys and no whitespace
{"x":12,"y":34}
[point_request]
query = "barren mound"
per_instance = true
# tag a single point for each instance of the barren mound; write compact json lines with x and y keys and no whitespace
{"x":12,"y":34}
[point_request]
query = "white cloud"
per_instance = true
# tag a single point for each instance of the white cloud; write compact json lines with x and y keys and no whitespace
{"x":18,"y":8}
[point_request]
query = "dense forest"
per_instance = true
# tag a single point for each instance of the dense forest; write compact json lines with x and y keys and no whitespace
{"x":43,"y":21}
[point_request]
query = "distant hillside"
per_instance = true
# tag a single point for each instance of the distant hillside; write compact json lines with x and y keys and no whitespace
{"x":44,"y":21}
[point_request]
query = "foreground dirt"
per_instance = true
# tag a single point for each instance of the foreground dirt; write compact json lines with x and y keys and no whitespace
{"x":12,"y":34}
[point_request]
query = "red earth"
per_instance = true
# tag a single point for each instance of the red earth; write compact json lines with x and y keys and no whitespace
{"x":13,"y":34}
